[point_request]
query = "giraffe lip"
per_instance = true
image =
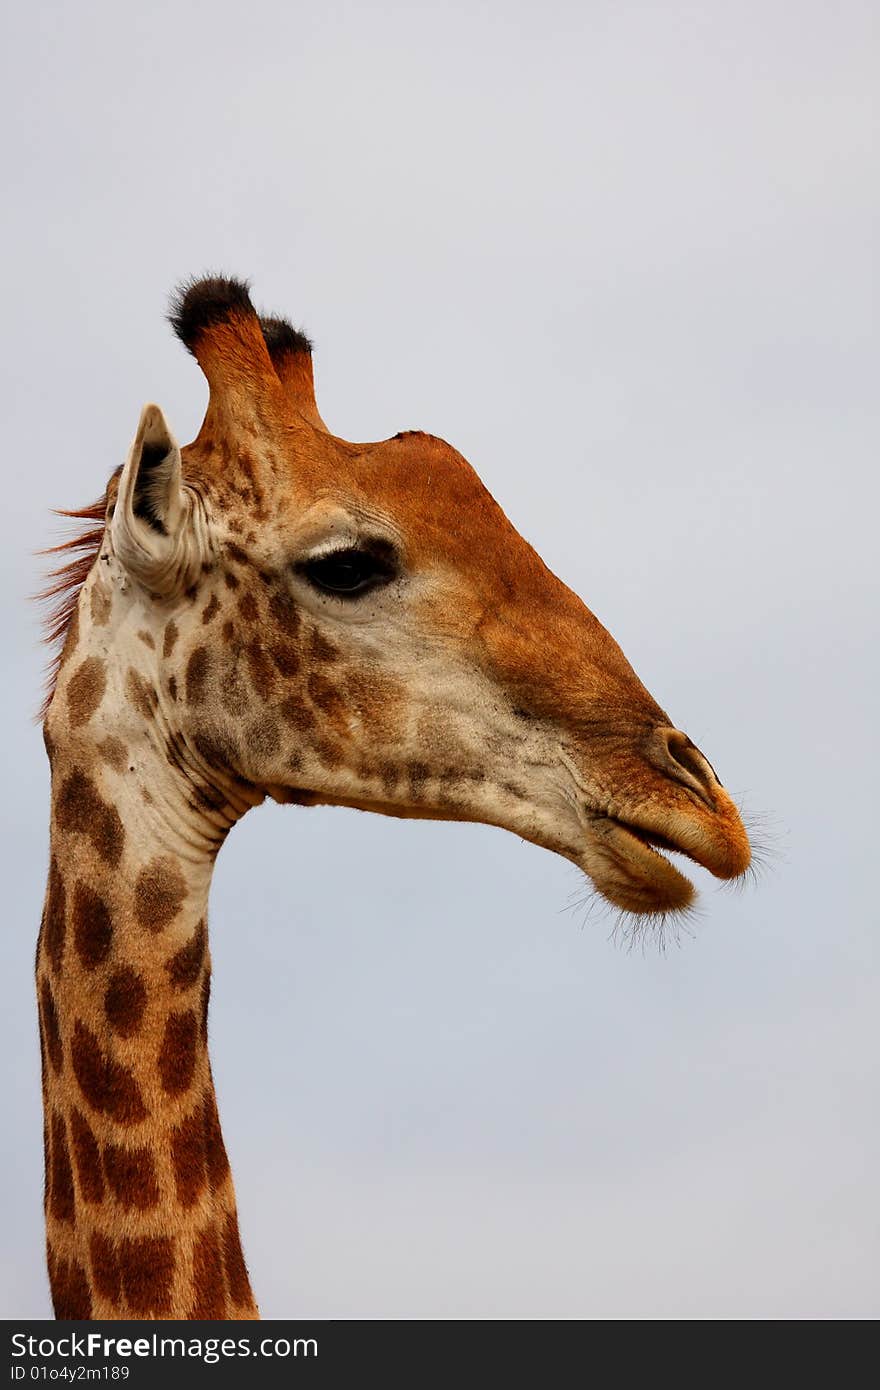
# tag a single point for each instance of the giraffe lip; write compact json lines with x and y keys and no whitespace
{"x":651,"y":838}
{"x":628,"y":865}
{"x":718,"y":842}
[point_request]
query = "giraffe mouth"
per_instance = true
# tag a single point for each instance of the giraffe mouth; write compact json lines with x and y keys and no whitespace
{"x":628,"y":865}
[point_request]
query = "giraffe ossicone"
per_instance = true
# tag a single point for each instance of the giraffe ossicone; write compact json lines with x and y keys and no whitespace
{"x":273,"y":611}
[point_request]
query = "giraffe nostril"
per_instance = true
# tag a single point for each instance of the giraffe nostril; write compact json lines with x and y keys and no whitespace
{"x":675,"y":754}
{"x":689,"y":756}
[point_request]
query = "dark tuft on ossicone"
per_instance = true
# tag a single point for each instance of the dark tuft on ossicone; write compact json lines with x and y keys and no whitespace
{"x":199,"y":304}
{"x":283,"y":339}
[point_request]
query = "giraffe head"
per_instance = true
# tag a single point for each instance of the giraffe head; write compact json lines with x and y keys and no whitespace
{"x":361,"y":625}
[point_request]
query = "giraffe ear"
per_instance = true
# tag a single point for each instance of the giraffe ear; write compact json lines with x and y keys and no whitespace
{"x":151,"y":526}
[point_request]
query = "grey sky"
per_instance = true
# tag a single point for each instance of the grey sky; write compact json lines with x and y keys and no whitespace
{"x":623,"y":256}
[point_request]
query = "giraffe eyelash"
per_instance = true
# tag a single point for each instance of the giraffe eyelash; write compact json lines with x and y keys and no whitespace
{"x":349,"y":572}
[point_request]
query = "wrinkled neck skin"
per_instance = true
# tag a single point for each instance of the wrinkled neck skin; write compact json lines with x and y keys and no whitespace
{"x":140,"y":1209}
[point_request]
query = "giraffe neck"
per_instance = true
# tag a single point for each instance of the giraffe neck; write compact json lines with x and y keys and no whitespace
{"x":140,"y":1209}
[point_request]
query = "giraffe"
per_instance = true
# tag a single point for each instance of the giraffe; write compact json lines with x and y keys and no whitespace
{"x":276,"y":612}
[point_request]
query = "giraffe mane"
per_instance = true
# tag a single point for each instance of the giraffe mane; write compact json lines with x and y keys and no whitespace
{"x":62,"y":589}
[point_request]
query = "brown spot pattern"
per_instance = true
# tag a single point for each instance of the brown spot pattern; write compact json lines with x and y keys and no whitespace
{"x":112,"y":750}
{"x":159,"y":893}
{"x":146,"y":1267}
{"x":324,"y":695}
{"x":210,"y":1295}
{"x":247,"y":607}
{"x":169,"y":639}
{"x":261,"y":669}
{"x":141,"y":693}
{"x":51,"y":1031}
{"x":298,"y":715}
{"x":85,"y":690}
{"x":286,"y":658}
{"x":70,"y":1290}
{"x":87,"y":1158}
{"x":212,"y":607}
{"x":92,"y":927}
{"x":418,"y":774}
{"x":196,"y":676}
{"x":54,"y":918}
{"x":82,"y":809}
{"x":205,"y":1001}
{"x":188,"y":1157}
{"x":329,"y":754}
{"x":177,"y":1057}
{"x":100,"y":603}
{"x":62,"y":1201}
{"x":124,"y":1001}
{"x":322,"y":650}
{"x":388,"y":775}
{"x":264,"y":738}
{"x":105,"y":1268}
{"x":107,"y":1086}
{"x":216,"y":1161}
{"x":216,"y":748}
{"x":284,"y":611}
{"x":236,"y":1269}
{"x":131,"y":1176}
{"x":185,"y":966}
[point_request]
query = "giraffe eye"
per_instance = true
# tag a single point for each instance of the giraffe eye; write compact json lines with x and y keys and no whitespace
{"x":349,"y":572}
